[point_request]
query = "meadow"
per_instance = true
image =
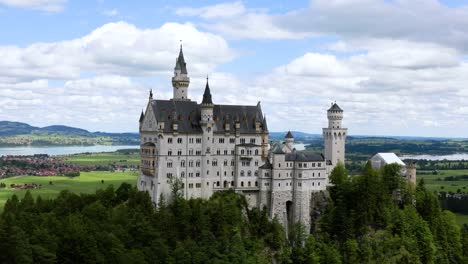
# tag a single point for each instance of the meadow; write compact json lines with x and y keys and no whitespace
{"x":121,"y":158}
{"x":437,"y":183}
{"x":87,"y":182}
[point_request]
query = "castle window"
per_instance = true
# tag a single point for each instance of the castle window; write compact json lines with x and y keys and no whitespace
{"x":181,"y":117}
{"x":319,"y":174}
{"x":198,"y":140}
{"x":198,"y":185}
{"x":225,"y":173}
{"x":169,"y":140}
{"x":232,"y":140}
{"x":190,"y":163}
{"x":242,"y":152}
{"x":256,"y":163}
{"x":182,"y":163}
{"x":197,"y":174}
{"x":242,"y":173}
{"x":232,"y":152}
{"x":256,"y":152}
{"x":242,"y":184}
{"x":179,"y":152}
{"x":313,"y":164}
{"x":300,"y":165}
{"x":232,"y":173}
{"x":225,"y":152}
{"x":300,"y":175}
{"x":305,"y":165}
{"x":169,"y":152}
{"x":190,"y":140}
{"x":169,"y":117}
{"x":318,"y":184}
{"x":207,"y":172}
{"x":182,"y":174}
{"x":232,"y":183}
{"x":218,"y":152}
{"x":190,"y":151}
{"x":179,"y":140}
{"x":198,"y":152}
{"x":242,"y":140}
{"x":313,"y":174}
{"x":169,"y":164}
{"x":279,"y":184}
{"x":198,"y":163}
{"x":169,"y":175}
{"x":319,"y":164}
{"x":279,"y":165}
{"x":256,"y":173}
{"x":249,"y":173}
{"x":190,"y":185}
{"x":232,"y":162}
{"x":313,"y":183}
{"x":221,"y":140}
{"x":299,"y":184}
{"x":217,"y":183}
{"x":256,"y":183}
{"x":249,"y":184}
{"x":190,"y":174}
{"x":252,"y":140}
{"x":214,"y":163}
{"x":225,"y":162}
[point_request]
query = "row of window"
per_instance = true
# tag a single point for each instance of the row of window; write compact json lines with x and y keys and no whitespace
{"x":199,"y":140}
{"x":214,"y":163}
{"x":300,"y":164}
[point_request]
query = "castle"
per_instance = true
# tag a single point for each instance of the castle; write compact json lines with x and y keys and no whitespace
{"x":211,"y":147}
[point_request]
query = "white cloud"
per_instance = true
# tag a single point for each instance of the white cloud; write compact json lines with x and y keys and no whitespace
{"x":116,"y":48}
{"x":45,"y":5}
{"x":111,"y":13}
{"x":215,"y":11}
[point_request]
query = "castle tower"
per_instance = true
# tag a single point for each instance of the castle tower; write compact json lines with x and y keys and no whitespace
{"x":334,"y":137}
{"x":411,"y":172}
{"x":207,"y":124}
{"x":289,"y":140}
{"x":180,"y":81}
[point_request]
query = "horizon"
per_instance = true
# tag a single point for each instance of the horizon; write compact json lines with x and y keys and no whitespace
{"x":91,"y":64}
{"x":284,"y":131}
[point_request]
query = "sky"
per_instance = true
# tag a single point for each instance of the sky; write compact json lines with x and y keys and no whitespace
{"x":395,"y":67}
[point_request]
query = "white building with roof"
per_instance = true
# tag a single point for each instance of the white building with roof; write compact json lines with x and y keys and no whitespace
{"x":379,"y":160}
{"x":213,"y":147}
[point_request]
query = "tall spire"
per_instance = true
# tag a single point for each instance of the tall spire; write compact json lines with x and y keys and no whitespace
{"x":207,"y":94}
{"x":180,"y":62}
{"x":151,"y":94}
{"x":142,"y":116}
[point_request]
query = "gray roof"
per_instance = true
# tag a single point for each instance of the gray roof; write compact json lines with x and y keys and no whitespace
{"x":335,"y":107}
{"x":207,"y":95}
{"x":304,"y":156}
{"x":187,"y":114}
{"x":142,"y":116}
{"x":289,"y":135}
{"x":180,"y":62}
{"x":277,"y":149}
{"x":267,"y":165}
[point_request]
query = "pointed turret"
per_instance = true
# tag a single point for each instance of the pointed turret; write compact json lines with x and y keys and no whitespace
{"x":207,"y":95}
{"x":180,"y":81}
{"x":180,"y":62}
{"x":142,"y":116}
{"x":151,"y":94}
{"x":265,"y":127}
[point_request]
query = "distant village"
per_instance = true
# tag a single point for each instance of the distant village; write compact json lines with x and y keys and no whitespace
{"x":45,"y":165}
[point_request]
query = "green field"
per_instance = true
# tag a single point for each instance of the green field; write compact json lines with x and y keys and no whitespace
{"x":105,"y":158}
{"x":87,"y":182}
{"x":462,"y":219}
{"x":447,"y":186}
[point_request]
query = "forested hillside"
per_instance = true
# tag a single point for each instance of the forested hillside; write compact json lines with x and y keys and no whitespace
{"x":371,"y":218}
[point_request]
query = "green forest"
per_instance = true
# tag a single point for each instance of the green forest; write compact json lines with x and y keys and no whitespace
{"x":371,"y":218}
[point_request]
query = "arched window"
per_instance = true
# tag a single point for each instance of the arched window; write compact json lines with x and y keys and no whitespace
{"x":249,"y":173}
{"x":242,"y":184}
{"x":249,"y":184}
{"x":256,"y":152}
{"x":242,"y":173}
{"x":182,"y":174}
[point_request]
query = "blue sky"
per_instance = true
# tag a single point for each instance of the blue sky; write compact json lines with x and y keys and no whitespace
{"x":395,"y":67}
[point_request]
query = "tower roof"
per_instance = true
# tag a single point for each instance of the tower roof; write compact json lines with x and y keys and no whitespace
{"x":142,"y":116}
{"x":289,"y":135}
{"x":207,"y":94}
{"x":180,"y":63}
{"x":335,"y":107}
{"x":265,"y":127}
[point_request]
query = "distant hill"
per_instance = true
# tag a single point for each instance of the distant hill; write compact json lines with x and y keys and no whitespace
{"x":18,"y":134}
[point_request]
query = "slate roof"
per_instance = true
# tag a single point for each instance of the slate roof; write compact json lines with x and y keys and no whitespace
{"x":289,"y":135}
{"x":277,"y":149}
{"x":142,"y":116}
{"x":390,"y":158}
{"x":187,"y":114}
{"x":304,"y":156}
{"x":207,"y":95}
{"x":335,"y":107}
{"x":267,"y":165}
{"x":180,"y":62}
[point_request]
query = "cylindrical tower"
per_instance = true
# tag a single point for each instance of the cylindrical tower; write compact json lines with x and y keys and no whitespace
{"x":334,"y":137}
{"x":180,"y":81}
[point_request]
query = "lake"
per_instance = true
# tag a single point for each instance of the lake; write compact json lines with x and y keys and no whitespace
{"x":458,"y":156}
{"x":61,"y":150}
